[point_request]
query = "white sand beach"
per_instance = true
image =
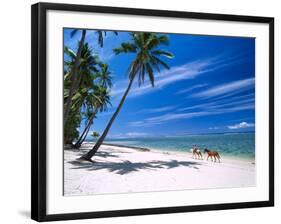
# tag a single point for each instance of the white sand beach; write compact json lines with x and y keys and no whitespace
{"x":124,"y":169}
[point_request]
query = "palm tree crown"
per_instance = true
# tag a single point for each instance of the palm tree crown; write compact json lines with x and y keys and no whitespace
{"x":104,"y":76}
{"x":145,"y":45}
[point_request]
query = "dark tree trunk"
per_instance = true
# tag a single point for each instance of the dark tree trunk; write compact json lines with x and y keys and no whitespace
{"x":86,"y":129}
{"x":81,"y":138}
{"x":74,"y":78}
{"x":81,"y":142}
{"x":93,"y":151}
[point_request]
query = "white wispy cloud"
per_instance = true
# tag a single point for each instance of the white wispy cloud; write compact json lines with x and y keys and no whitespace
{"x":236,"y":103}
{"x":136,"y":123}
{"x":241,"y":125}
{"x":231,"y":87}
{"x":156,"y":110}
{"x":208,"y":109}
{"x":152,"y":121}
{"x":235,"y":100}
{"x":136,"y":134}
{"x":231,"y":95}
{"x":192,"y":88}
{"x":129,"y":135}
{"x":232,"y":103}
{"x":177,"y":73}
{"x":213,"y":128}
{"x":176,"y":116}
{"x":186,"y":71}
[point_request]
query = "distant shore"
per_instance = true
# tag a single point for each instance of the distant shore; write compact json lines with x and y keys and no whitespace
{"x":121,"y":169}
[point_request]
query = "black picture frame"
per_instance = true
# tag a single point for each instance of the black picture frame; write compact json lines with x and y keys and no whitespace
{"x":38,"y":108}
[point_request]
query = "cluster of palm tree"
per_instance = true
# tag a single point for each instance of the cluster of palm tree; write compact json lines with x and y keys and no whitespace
{"x":93,"y":82}
{"x":90,"y":94}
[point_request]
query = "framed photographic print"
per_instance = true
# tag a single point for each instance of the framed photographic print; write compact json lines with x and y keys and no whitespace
{"x":138,"y":111}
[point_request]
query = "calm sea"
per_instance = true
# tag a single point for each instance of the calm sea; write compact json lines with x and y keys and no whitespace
{"x":240,"y":145}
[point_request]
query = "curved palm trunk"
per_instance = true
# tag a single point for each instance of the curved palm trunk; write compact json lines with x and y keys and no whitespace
{"x":84,"y":138}
{"x":86,"y":130}
{"x":81,"y":138}
{"x":74,"y":78}
{"x":93,"y":151}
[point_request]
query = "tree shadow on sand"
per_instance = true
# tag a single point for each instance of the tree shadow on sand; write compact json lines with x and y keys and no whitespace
{"x":99,"y":154}
{"x":126,"y":167}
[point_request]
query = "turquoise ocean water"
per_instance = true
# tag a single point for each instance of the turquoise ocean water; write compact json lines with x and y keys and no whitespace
{"x":240,"y":145}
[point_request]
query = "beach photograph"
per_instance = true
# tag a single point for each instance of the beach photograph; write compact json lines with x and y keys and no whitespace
{"x":149,"y":112}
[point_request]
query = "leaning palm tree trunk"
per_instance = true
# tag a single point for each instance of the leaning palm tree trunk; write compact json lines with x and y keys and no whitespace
{"x":74,"y":78}
{"x":86,"y":130}
{"x":82,"y":138}
{"x":81,"y":142}
{"x":93,"y":151}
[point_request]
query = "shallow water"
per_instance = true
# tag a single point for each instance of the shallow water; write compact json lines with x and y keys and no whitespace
{"x":240,"y":145}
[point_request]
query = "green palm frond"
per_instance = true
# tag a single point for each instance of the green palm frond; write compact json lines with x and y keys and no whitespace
{"x":146,"y":46}
{"x":101,"y":34}
{"x":73,"y":32}
{"x":69,"y":52}
{"x":159,"y":61}
{"x":125,"y":48}
{"x":163,"y":53}
{"x":150,"y":74}
{"x":100,"y":37}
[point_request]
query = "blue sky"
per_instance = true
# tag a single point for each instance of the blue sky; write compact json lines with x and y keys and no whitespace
{"x":209,"y":88}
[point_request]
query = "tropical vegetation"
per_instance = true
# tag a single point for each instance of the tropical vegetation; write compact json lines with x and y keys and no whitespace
{"x":88,"y":81}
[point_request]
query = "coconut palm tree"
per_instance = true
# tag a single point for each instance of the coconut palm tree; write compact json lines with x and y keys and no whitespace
{"x":101,"y":102}
{"x":147,"y":59}
{"x":98,"y":96}
{"x":74,"y":75}
{"x":101,"y":34}
{"x":85,"y":94}
{"x":74,"y":71}
{"x":104,"y":76}
{"x":95,"y":134}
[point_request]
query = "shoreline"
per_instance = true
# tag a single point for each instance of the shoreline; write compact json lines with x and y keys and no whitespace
{"x":129,"y":170}
{"x":166,"y":151}
{"x":127,"y":146}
